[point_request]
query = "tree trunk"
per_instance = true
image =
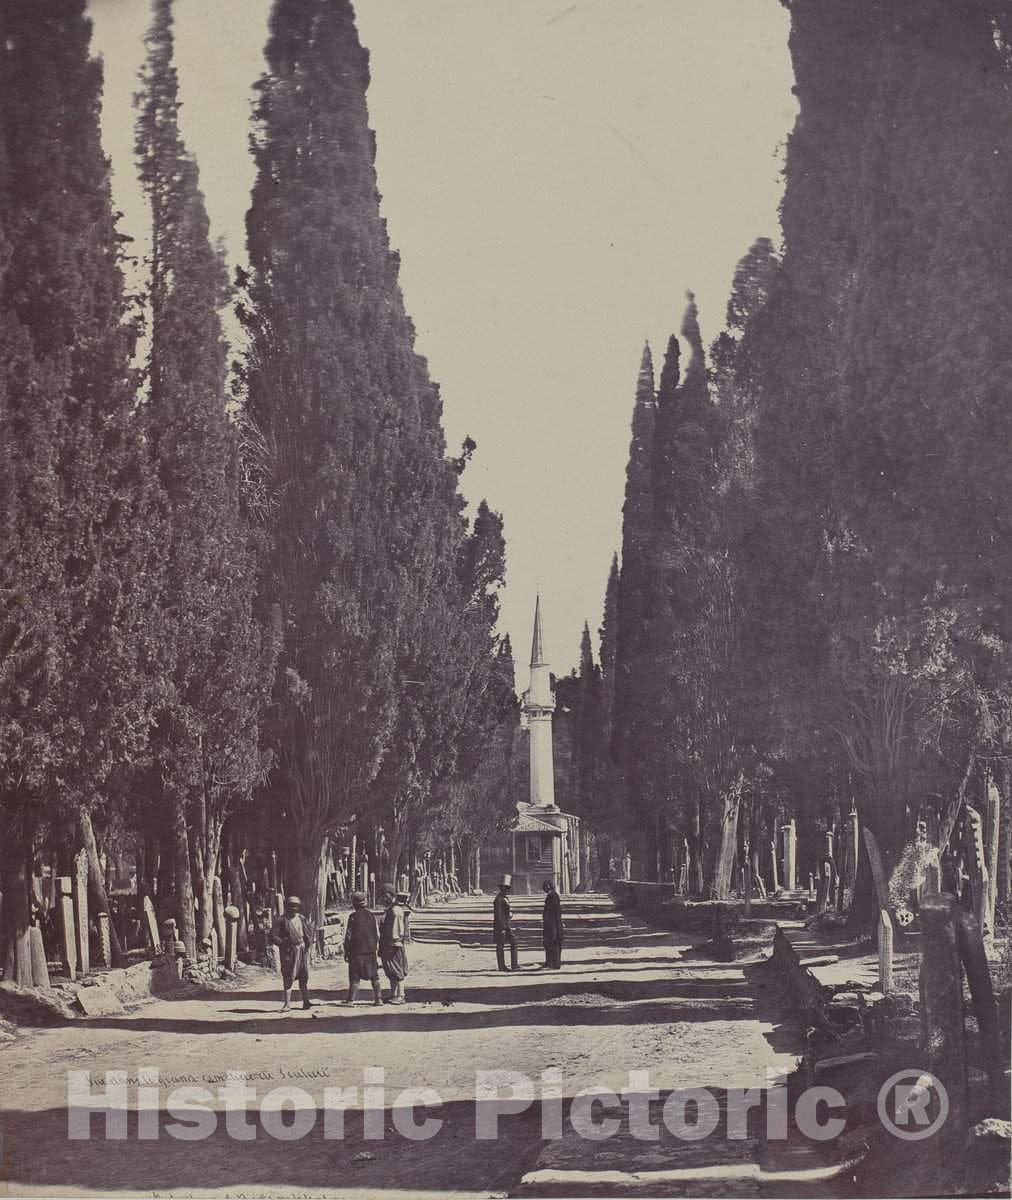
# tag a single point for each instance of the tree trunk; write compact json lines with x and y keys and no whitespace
{"x":306,"y":876}
{"x":96,"y":881}
{"x":184,"y":880}
{"x":695,"y":840}
{"x":15,"y":876}
{"x":1005,"y":837}
{"x":730,"y":807}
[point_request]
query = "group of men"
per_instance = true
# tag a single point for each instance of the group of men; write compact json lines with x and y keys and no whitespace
{"x":368,"y":944}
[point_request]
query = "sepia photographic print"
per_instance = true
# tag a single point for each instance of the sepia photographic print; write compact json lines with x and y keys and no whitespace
{"x":505,"y":582}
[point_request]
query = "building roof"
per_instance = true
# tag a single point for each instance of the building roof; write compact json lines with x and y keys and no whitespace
{"x":525,"y":823}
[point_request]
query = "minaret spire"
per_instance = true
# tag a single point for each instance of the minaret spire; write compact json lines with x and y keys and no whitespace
{"x":539,"y":704}
{"x":538,"y":644}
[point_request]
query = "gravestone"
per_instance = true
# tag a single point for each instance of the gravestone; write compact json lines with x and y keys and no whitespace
{"x":104,"y":940}
{"x":40,"y":968}
{"x":81,"y":927}
{"x":776,"y":873}
{"x":151,"y":925}
{"x":853,"y":849}
{"x":217,"y":911}
{"x":68,"y":935}
{"x":877,"y":870}
{"x":992,"y":832}
{"x":791,"y":856}
{"x":976,"y":863}
{"x":231,"y":915}
{"x":885,"y":952}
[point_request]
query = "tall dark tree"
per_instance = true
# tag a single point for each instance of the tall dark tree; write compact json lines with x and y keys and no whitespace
{"x":635,"y":674}
{"x":882,"y":371}
{"x":361,"y":513}
{"x":213,"y":657}
{"x":75,"y":561}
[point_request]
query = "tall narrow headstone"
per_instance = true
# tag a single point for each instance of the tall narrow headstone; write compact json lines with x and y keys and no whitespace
{"x":791,"y":855}
{"x":885,"y":952}
{"x":151,"y":924}
{"x":68,"y":935}
{"x":218,"y":910}
{"x":992,"y":828}
{"x":40,"y":968}
{"x":231,"y":915}
{"x":877,"y":870}
{"x":81,"y":926}
{"x":853,"y":848}
{"x":776,"y":872}
{"x":976,"y":862}
{"x":104,"y":940}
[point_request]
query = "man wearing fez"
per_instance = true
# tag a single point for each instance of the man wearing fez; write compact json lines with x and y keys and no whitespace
{"x":502,"y":926}
{"x":361,"y":946}
{"x":551,"y":927}
{"x":291,"y":934}
{"x":393,"y":935}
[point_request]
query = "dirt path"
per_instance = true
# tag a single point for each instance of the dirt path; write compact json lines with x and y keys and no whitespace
{"x":623,"y":1002}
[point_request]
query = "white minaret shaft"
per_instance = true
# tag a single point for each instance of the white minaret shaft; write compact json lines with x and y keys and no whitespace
{"x":539,"y":704}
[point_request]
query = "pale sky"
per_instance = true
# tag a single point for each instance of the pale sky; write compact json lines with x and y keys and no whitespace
{"x":555,"y":176}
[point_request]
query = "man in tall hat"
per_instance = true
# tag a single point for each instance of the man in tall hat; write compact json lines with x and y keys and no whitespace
{"x":393,"y":935}
{"x":502,"y":926}
{"x":361,"y":948}
{"x":292,"y":936}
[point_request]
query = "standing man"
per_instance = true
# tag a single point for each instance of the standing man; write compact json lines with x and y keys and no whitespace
{"x":393,"y":935}
{"x":291,"y":935}
{"x":552,"y":927}
{"x":502,"y":926}
{"x":361,"y":946}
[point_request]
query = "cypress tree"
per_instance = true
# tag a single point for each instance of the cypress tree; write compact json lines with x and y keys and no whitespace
{"x":635,"y":682}
{"x":362,"y":517}
{"x":77,"y":559}
{"x":212,"y":653}
{"x":882,"y":367}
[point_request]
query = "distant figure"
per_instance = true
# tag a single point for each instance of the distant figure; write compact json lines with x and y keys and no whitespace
{"x":291,"y":935}
{"x":502,"y":926}
{"x":393,"y":935}
{"x":361,"y":946}
{"x":552,"y":928}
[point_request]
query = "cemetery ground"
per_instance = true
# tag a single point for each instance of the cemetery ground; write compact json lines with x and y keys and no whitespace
{"x":630,"y":998}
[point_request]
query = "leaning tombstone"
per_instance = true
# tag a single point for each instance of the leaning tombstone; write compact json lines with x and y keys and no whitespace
{"x":877,"y":870}
{"x":151,"y":924}
{"x":976,"y":862}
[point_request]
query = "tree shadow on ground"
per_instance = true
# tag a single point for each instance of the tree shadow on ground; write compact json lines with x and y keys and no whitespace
{"x":38,"y":1152}
{"x":545,"y":987}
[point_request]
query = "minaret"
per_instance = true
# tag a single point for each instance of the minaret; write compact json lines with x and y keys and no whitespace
{"x":539,"y":704}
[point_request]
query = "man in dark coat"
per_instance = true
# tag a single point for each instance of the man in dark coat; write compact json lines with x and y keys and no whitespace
{"x":551,"y":927}
{"x":361,"y":948}
{"x":392,"y":951}
{"x":292,"y":936}
{"x":502,"y":926}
